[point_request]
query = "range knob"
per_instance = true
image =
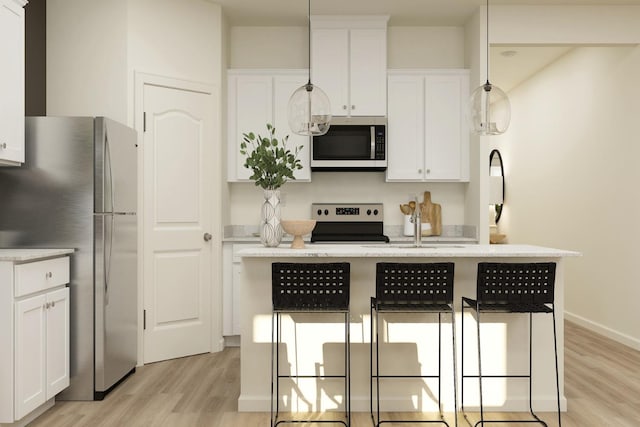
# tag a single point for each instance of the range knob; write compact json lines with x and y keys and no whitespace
{"x":319,"y":212}
{"x":326,"y":211}
{"x":368,"y":211}
{"x":375,"y":211}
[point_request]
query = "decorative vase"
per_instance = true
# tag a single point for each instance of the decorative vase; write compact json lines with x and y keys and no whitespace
{"x":270,"y":227}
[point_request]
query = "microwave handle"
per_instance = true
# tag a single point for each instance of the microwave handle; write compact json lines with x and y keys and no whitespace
{"x":373,"y":143}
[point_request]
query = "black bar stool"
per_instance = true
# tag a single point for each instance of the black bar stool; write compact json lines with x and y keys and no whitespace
{"x":512,"y":288}
{"x":412,"y":288}
{"x":309,"y":288}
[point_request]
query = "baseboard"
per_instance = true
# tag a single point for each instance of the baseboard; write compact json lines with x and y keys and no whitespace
{"x":232,"y":341}
{"x":621,"y":338}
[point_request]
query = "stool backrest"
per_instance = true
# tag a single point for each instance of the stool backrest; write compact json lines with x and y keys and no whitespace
{"x":414,"y":283}
{"x":516,"y":283}
{"x":310,"y":286}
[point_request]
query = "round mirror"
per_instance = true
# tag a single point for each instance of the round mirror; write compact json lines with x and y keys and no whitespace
{"x":496,"y":182}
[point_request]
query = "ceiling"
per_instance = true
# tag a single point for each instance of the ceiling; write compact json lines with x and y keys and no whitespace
{"x":506,"y":71}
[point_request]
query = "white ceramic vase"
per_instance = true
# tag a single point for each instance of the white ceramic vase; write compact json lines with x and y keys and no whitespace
{"x":270,"y":228}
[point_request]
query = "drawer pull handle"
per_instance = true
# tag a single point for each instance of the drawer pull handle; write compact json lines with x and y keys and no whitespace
{"x":47,"y":305}
{"x":3,"y":145}
{"x":53,"y":304}
{"x":49,"y":275}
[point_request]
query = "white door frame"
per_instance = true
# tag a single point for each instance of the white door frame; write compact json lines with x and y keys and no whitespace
{"x":140,"y":80}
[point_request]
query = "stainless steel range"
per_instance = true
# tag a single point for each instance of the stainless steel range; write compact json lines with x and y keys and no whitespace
{"x":348,"y":222}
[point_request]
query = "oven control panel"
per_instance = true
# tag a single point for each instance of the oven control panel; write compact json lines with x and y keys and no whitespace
{"x":347,"y":212}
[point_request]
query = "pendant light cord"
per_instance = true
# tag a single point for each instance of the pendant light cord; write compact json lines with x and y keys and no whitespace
{"x":487,"y":30}
{"x":309,"y":39}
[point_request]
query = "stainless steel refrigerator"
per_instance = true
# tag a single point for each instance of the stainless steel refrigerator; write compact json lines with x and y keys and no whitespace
{"x":78,"y":189}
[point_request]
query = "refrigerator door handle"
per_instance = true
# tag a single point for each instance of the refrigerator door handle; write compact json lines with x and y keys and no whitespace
{"x":109,"y":172}
{"x":106,"y":253}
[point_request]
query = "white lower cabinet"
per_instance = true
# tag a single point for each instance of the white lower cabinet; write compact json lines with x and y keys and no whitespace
{"x":232,"y":268}
{"x":427,"y":130}
{"x":42,"y":349}
{"x":34,"y":335}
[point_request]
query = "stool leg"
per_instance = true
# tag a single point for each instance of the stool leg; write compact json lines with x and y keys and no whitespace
{"x":377,"y":368}
{"x":462,"y":360}
{"x":371,"y":363}
{"x":440,"y":364}
{"x":531,"y":364}
{"x":555,"y":348}
{"x":479,"y":367}
{"x":347,"y":369}
{"x":454,"y":360}
{"x":272,"y":360}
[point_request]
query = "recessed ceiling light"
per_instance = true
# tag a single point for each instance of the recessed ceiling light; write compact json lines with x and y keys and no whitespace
{"x":509,"y":53}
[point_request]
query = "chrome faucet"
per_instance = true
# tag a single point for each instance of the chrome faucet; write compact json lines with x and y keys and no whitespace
{"x":416,"y":219}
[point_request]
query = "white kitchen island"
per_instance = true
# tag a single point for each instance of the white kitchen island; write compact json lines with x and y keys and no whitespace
{"x":409,"y":342}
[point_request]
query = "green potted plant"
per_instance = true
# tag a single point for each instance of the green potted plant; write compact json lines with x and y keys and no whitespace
{"x":272,"y":164}
{"x":270,"y":160}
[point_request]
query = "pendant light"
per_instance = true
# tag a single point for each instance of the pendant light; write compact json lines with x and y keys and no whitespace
{"x":309,"y":110}
{"x":489,"y":108}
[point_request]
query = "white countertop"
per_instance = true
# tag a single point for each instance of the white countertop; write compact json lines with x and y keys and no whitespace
{"x":31,"y":254}
{"x":405,"y":251}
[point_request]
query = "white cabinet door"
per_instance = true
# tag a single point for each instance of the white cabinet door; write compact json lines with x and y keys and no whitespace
{"x":350,"y":66}
{"x":11,"y":83}
{"x":255,"y":99}
{"x":445,"y":127}
{"x":232,"y":267}
{"x":368,"y":72}
{"x":428,"y":136}
{"x":250,"y":109}
{"x":405,"y":128}
{"x":57,"y":341}
{"x":30,"y":355}
{"x":330,"y":66}
{"x":283,"y":88}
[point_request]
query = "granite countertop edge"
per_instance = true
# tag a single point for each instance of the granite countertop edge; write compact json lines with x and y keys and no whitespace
{"x":18,"y":255}
{"x":390,"y":251}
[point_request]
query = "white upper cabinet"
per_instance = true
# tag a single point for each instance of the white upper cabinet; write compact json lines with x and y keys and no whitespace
{"x":255,"y":98}
{"x":427,"y":130}
{"x":12,"y":82}
{"x":349,"y":63}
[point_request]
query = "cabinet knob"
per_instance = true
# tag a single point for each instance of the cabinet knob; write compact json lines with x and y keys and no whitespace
{"x":353,"y":107}
{"x":207,"y":237}
{"x":344,"y":107}
{"x":49,"y":275}
{"x":3,"y":145}
{"x":419,"y":170}
{"x":53,"y":304}
{"x":428,"y":170}
{"x":46,"y":306}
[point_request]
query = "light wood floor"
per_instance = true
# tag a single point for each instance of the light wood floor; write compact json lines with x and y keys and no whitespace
{"x":602,"y":386}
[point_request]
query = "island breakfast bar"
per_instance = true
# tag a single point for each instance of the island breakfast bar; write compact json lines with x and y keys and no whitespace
{"x":409,"y":341}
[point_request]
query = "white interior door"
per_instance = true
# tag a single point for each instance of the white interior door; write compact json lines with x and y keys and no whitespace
{"x":177,"y":265}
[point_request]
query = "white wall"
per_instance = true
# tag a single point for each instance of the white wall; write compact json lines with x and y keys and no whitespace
{"x":268,"y":47}
{"x":425,"y":47}
{"x":286,"y":47}
{"x":571,"y":164}
{"x":176,"y":38}
{"x":87,"y":58}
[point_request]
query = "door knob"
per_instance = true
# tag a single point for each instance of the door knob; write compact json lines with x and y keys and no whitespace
{"x":207,"y":237}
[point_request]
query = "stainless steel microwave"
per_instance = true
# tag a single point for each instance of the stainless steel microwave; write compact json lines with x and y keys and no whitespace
{"x":352,"y":143}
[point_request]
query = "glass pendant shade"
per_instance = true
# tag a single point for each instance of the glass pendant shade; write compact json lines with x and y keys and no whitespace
{"x":490,"y":110}
{"x":309,"y":111}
